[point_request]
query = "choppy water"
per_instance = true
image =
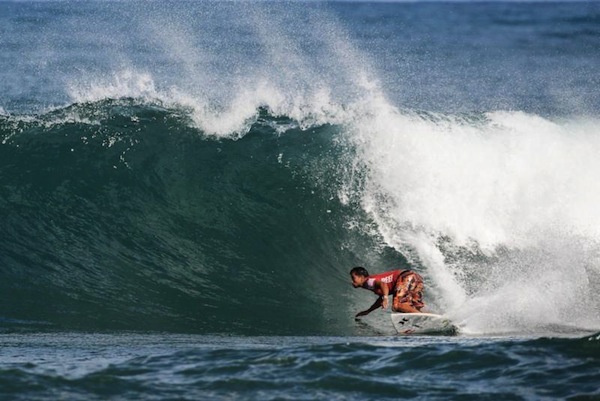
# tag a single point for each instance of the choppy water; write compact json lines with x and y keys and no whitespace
{"x":189,"y":367}
{"x":211,"y":171}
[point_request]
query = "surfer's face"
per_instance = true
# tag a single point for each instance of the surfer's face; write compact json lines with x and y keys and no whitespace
{"x":357,"y":281}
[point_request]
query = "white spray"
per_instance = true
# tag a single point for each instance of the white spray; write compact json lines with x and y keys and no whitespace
{"x":501,"y":209}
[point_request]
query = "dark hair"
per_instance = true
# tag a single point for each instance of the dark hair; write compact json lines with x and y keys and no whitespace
{"x":359,"y":271}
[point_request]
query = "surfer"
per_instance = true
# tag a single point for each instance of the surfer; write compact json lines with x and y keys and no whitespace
{"x":406,"y":286}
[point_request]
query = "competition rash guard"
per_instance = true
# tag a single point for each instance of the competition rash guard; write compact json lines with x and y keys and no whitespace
{"x":388,"y":278}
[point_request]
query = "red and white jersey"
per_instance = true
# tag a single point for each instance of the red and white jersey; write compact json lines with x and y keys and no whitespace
{"x":387,"y":278}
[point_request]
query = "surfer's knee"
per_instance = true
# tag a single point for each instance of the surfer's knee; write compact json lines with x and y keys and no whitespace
{"x":404,"y":307}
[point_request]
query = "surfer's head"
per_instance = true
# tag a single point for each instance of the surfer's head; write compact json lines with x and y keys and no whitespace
{"x":359,"y":276}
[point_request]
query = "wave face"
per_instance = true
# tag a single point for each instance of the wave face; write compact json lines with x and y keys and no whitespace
{"x":172,"y":172}
{"x":126,"y":217}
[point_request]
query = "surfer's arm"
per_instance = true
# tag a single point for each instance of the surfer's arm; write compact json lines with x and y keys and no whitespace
{"x":375,"y":305}
{"x":384,"y":293}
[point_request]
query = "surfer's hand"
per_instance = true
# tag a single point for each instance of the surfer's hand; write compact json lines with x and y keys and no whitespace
{"x":384,"y":303}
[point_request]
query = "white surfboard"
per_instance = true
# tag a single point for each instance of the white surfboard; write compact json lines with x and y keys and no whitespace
{"x":422,"y":323}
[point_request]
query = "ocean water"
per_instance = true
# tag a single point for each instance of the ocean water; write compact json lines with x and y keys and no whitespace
{"x":184,"y":187}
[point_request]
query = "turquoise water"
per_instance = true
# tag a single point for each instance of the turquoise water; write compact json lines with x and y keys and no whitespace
{"x":184,"y":187}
